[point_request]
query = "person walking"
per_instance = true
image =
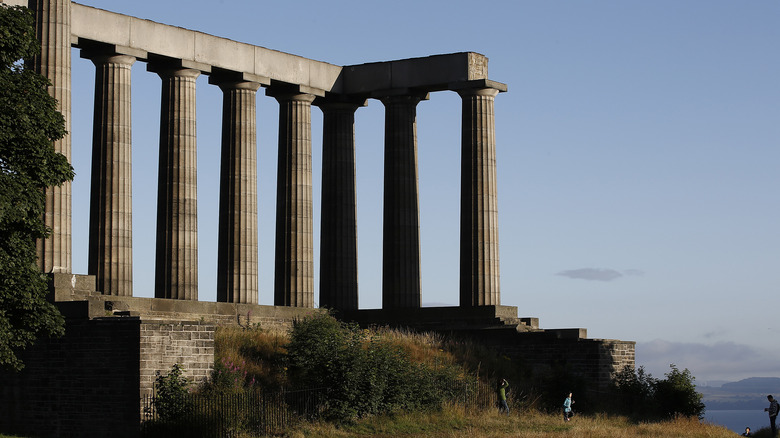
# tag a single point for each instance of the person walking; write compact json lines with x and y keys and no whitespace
{"x":503,"y":386}
{"x":772,"y":410}
{"x":567,"y":412}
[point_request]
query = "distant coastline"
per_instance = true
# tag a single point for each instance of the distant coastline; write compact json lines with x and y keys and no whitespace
{"x":747,"y":394}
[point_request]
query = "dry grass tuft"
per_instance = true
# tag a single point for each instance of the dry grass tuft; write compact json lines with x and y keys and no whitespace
{"x":258,"y":352}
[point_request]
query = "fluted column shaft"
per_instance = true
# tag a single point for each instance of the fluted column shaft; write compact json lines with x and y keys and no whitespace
{"x":338,"y":234}
{"x":479,"y":267}
{"x":110,"y":218}
{"x":401,"y":287}
{"x":176,"y":270}
{"x":237,"y":248}
{"x":52,"y":18}
{"x":294,"y":263}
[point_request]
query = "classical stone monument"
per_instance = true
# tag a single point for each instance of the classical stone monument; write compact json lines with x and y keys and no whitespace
{"x":135,"y":337}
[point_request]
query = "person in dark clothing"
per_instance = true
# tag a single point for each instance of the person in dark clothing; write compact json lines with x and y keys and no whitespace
{"x":747,"y":432}
{"x":772,"y":410}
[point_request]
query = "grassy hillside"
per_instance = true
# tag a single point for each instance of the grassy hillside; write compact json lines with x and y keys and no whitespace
{"x":455,"y":422}
{"x":253,"y":358}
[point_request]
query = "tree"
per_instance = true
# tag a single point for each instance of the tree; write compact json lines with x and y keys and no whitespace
{"x":641,"y":395}
{"x":677,"y":394}
{"x":29,"y":123}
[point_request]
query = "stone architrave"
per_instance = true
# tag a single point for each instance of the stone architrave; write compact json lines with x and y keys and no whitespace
{"x":110,"y":220}
{"x":52,"y":28}
{"x":338,"y":236}
{"x":479,"y":267}
{"x":401,"y":285}
{"x":294,"y":255}
{"x":176,"y":265}
{"x":237,"y":271}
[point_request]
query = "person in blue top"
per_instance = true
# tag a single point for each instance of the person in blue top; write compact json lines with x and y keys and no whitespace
{"x":567,"y":413}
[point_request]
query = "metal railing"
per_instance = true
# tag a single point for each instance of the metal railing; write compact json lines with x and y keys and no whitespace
{"x":227,"y":415}
{"x":269,"y":413}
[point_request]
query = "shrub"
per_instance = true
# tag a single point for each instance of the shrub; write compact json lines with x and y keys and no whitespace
{"x":677,"y":395}
{"x":171,"y":401}
{"x":641,"y":395}
{"x":363,"y":372}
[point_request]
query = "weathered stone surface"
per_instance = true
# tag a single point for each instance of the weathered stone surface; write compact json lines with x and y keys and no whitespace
{"x":479,"y":266}
{"x":338,"y":236}
{"x":401,"y":284}
{"x":294,"y":263}
{"x":110,"y":220}
{"x":53,"y":29}
{"x":237,"y":246}
{"x":176,"y":269}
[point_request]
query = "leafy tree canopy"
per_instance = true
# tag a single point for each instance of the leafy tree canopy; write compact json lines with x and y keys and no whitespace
{"x":29,"y":123}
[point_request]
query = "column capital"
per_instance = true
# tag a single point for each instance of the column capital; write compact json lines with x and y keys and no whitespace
{"x":101,"y":57}
{"x":169,"y":67}
{"x":232,"y":80}
{"x":170,"y":72}
{"x":478,"y":84}
{"x":339,"y":103}
{"x":236,"y":85}
{"x":409,"y":97}
{"x":487,"y":92}
{"x":290,"y":95}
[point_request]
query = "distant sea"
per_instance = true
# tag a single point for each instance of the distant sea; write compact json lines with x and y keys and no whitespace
{"x":737,"y":420}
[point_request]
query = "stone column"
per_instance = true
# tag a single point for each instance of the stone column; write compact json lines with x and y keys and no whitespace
{"x":338,"y":234}
{"x":479,"y":269}
{"x":237,"y":247}
{"x":52,"y":28}
{"x":401,"y":287}
{"x":176,"y":269}
{"x":110,"y":216}
{"x":294,"y":263}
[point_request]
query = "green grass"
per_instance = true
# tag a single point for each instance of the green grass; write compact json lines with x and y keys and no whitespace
{"x":456,"y":422}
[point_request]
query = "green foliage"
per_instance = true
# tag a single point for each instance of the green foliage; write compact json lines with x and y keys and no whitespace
{"x":229,"y":377}
{"x":29,"y":123}
{"x":171,"y":401}
{"x":641,"y":395}
{"x":362,"y":373}
{"x":677,"y":394}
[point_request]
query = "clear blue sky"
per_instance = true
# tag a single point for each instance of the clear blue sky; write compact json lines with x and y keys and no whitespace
{"x":638,"y":160}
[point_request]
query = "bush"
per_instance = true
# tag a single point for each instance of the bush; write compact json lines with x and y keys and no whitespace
{"x":171,"y":402}
{"x":642,"y":396}
{"x":362,"y":372}
{"x":677,"y":395}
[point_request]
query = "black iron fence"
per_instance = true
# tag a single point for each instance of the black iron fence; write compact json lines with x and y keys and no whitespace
{"x":231,"y":415}
{"x":268,"y":413}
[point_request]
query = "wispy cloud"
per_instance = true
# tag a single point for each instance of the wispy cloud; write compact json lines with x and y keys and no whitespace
{"x":591,"y":274}
{"x":720,"y":361}
{"x":599,"y":274}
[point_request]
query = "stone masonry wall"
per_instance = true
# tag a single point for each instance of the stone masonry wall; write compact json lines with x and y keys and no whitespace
{"x":84,"y":384}
{"x":597,"y":360}
{"x":165,"y":343}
